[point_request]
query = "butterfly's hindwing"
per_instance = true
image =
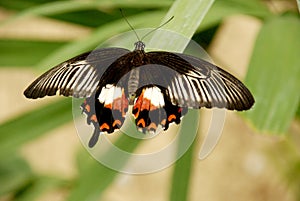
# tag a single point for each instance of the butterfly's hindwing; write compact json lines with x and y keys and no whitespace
{"x":107,"y":112}
{"x":153,"y":109}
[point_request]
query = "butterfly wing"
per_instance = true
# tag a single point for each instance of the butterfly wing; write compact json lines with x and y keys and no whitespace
{"x":169,"y":83}
{"x":77,"y":77}
{"x":107,"y":112}
{"x":199,"y":83}
{"x":153,"y":110}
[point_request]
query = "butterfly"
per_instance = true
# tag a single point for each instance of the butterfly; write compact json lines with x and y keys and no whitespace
{"x":159,"y":85}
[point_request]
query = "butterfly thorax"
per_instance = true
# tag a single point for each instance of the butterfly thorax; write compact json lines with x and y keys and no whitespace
{"x":139,"y":45}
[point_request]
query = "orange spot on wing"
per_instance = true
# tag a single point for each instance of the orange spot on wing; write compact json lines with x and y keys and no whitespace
{"x":141,"y":123}
{"x":138,"y":104}
{"x":171,"y":117}
{"x":93,"y":118}
{"x":152,"y":126}
{"x":104,"y":126}
{"x":145,"y":104}
{"x":108,"y":106}
{"x":153,"y":107}
{"x":117,"y":122}
{"x":87,"y":107}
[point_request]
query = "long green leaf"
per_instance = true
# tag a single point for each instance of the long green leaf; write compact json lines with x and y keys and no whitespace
{"x":273,"y":75}
{"x":194,"y":11}
{"x":95,"y":177}
{"x":187,"y":18}
{"x":225,"y":8}
{"x":98,"y":36}
{"x":15,"y":173}
{"x":28,"y":126}
{"x":39,"y":186}
{"x":12,"y":49}
{"x":60,"y":7}
{"x":55,"y":6}
{"x":183,"y":167}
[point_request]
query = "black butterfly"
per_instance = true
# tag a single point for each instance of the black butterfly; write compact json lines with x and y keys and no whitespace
{"x":161,"y":86}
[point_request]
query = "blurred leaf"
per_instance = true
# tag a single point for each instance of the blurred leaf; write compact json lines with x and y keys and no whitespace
{"x":183,"y":167}
{"x":39,"y":186}
{"x":205,"y":37}
{"x":21,"y":4}
{"x":60,"y":7}
{"x":298,"y":3}
{"x":28,"y":53}
{"x":87,"y":17}
{"x":273,"y":75}
{"x":225,"y":8}
{"x":194,"y":10}
{"x":94,"y":177}
{"x":31,"y":125}
{"x":104,"y":4}
{"x":99,"y":35}
{"x":298,"y":112}
{"x":14,"y":173}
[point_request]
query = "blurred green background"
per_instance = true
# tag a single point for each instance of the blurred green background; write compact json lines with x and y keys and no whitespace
{"x":258,"y":156}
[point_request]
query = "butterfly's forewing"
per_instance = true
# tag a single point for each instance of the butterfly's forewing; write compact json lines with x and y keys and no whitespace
{"x":226,"y":90}
{"x":77,"y":77}
{"x":202,"y":84}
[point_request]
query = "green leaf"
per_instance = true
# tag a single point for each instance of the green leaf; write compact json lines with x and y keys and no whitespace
{"x":194,"y":11}
{"x":98,"y":36}
{"x":183,"y":166}
{"x":225,"y":8}
{"x":273,"y":75}
{"x":61,"y":7}
{"x":28,"y":53}
{"x":21,"y":4}
{"x":14,"y":173}
{"x":42,"y":4}
{"x":38,"y":187}
{"x":298,"y":112}
{"x":31,"y":125}
{"x":95,"y":177}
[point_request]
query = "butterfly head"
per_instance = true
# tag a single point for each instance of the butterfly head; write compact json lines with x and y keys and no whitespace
{"x":139,"y":45}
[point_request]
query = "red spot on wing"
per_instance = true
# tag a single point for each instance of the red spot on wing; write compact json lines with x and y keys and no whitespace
{"x":121,"y":104}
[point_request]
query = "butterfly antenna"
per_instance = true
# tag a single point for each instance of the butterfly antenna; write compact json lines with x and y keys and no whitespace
{"x":147,"y":34}
{"x":129,"y":24}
